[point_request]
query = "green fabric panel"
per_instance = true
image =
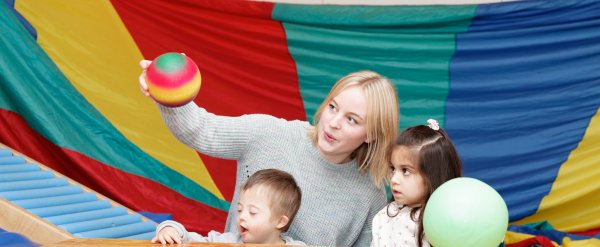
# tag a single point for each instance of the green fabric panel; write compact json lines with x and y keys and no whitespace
{"x":32,"y":86}
{"x":411,"y":45}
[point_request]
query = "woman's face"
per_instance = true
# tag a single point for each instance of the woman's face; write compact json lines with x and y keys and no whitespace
{"x":342,"y":127}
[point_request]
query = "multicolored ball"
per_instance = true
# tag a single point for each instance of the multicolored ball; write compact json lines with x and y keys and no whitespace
{"x":173,"y":79}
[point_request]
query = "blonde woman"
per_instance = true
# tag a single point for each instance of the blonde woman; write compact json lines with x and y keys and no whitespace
{"x":337,"y":161}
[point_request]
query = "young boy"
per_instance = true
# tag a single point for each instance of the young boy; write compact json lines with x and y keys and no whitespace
{"x":268,"y":202}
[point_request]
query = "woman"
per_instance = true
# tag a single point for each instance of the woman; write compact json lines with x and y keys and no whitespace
{"x":337,"y":161}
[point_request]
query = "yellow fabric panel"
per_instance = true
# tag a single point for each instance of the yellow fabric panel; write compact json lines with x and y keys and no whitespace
{"x":573,"y":203}
{"x":92,"y":47}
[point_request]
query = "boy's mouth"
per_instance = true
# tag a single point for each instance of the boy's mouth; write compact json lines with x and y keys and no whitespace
{"x":243,"y":230}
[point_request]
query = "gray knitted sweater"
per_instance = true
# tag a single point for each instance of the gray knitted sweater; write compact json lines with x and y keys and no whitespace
{"x":338,"y":204}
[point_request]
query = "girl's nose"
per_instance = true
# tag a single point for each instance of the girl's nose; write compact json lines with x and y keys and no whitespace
{"x":395,"y":177}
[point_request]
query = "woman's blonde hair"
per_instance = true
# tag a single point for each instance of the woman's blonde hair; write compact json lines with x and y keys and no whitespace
{"x":382,"y":121}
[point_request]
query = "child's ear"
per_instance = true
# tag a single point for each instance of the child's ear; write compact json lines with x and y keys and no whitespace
{"x":283,"y":221}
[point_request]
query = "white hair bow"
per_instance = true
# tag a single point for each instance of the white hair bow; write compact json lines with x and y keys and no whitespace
{"x":433,"y":124}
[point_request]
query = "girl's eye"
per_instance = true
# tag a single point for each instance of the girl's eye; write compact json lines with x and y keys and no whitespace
{"x":392,"y":169}
{"x":405,"y":172}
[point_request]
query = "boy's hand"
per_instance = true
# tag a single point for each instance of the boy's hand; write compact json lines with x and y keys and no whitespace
{"x":167,"y":235}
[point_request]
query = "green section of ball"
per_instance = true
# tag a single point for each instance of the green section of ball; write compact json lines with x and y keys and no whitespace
{"x":170,"y":62}
{"x":465,"y":212}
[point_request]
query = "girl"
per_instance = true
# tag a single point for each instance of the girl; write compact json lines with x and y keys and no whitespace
{"x":351,"y":137}
{"x":422,"y":160}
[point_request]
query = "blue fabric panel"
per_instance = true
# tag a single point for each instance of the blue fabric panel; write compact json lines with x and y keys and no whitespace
{"x":14,"y":240}
{"x":525,"y":82}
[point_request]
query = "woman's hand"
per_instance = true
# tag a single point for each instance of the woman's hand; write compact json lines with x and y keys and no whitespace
{"x":143,"y":85}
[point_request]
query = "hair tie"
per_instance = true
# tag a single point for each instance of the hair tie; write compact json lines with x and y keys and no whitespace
{"x":433,"y":124}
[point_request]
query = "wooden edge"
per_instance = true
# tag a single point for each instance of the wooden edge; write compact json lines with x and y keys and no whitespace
{"x":17,"y":219}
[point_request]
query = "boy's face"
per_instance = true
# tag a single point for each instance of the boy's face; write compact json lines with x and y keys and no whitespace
{"x":256,"y":222}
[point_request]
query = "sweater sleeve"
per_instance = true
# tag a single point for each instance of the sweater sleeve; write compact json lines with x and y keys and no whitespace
{"x":366,"y":235}
{"x":217,"y":136}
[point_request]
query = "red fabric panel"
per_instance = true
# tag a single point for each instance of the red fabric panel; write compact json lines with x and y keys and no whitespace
{"x":534,"y":241}
{"x":134,"y":192}
{"x":590,"y":232}
{"x":242,"y":69}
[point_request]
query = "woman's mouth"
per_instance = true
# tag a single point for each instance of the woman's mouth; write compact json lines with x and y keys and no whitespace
{"x":328,"y":137}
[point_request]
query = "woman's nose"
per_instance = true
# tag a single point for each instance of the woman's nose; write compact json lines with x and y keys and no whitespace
{"x":335,"y":121}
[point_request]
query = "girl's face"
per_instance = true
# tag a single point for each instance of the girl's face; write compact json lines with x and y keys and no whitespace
{"x":342,"y":127}
{"x":256,"y":222}
{"x":407,"y":183}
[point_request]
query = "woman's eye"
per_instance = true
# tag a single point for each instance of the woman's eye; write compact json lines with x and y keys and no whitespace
{"x":351,"y":120}
{"x":332,"y":107}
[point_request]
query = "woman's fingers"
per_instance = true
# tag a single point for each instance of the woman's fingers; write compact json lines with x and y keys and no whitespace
{"x":142,"y":79}
{"x":145,"y":63}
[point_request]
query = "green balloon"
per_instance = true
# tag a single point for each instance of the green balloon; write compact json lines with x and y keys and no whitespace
{"x":465,"y":212}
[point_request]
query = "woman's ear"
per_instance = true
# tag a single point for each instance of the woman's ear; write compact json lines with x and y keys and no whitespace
{"x":283,"y":221}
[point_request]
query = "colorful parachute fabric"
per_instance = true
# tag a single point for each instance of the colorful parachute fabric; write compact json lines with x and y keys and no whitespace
{"x":516,"y":85}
